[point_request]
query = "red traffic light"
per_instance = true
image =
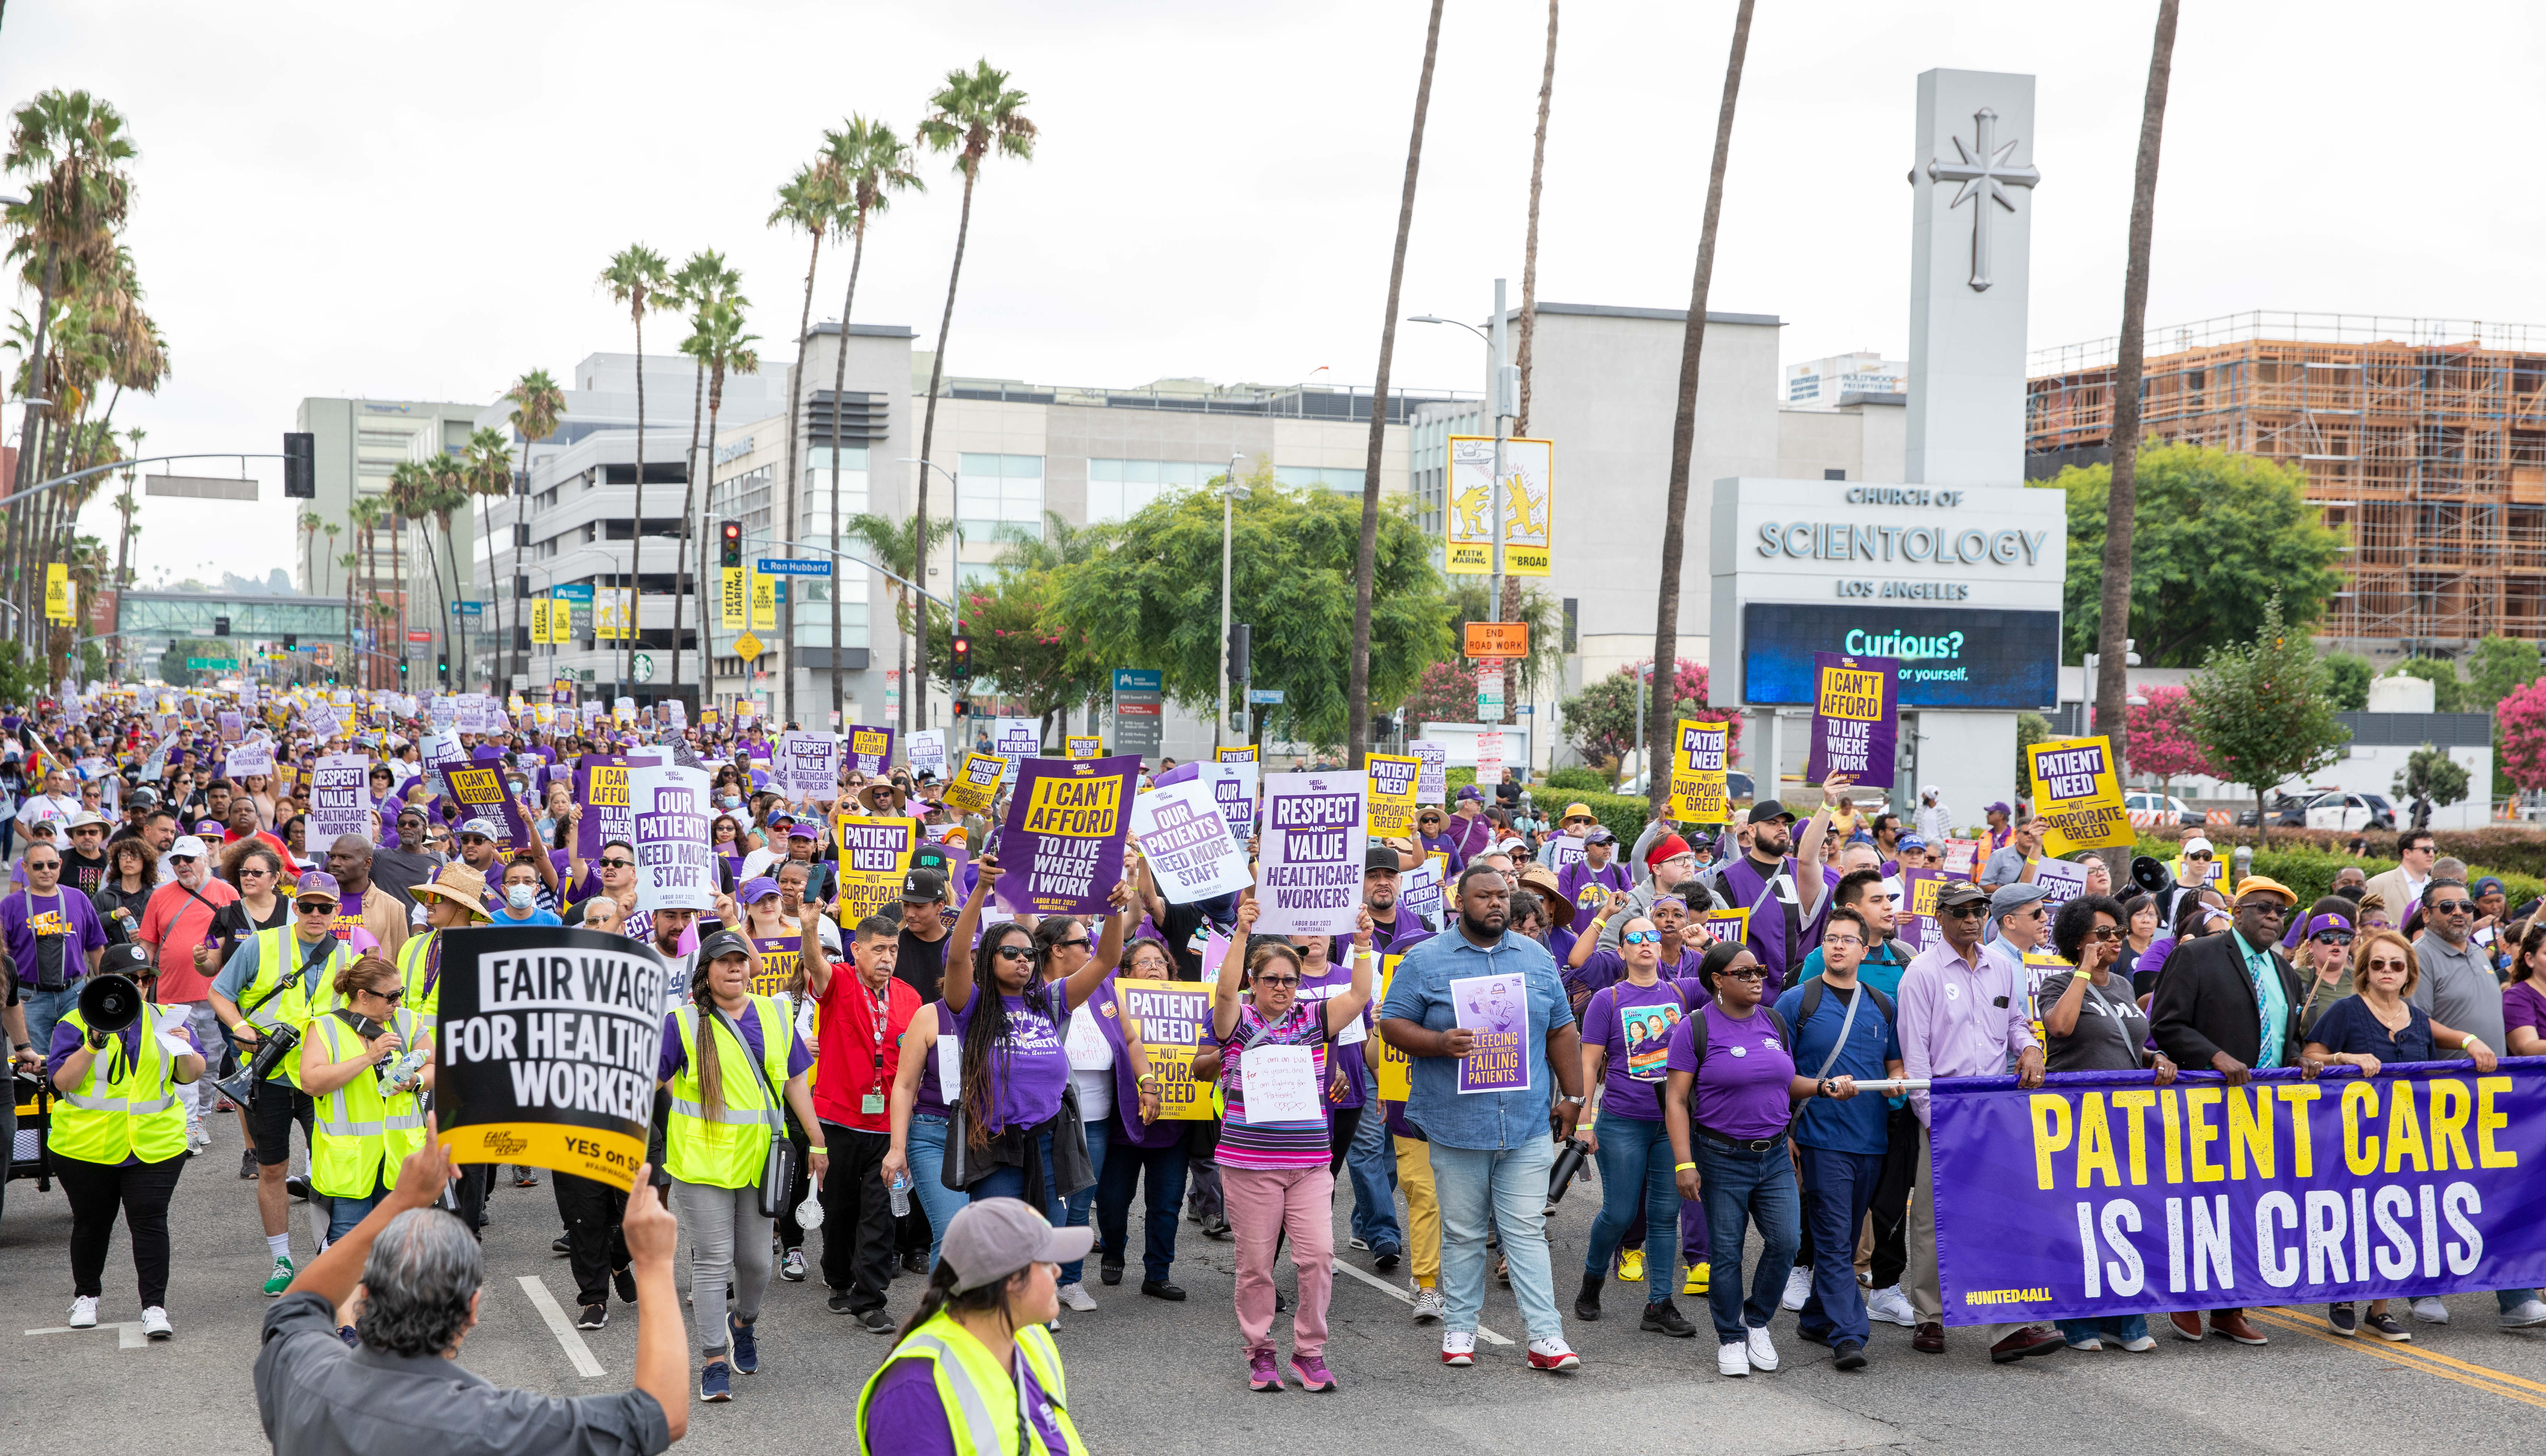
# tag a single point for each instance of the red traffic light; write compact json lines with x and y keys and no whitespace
{"x":962,"y":647}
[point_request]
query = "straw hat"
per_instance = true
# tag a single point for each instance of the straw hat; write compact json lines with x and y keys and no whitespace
{"x":460,"y":885}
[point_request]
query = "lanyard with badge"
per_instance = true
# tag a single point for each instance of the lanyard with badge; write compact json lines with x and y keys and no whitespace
{"x":871,"y":1104}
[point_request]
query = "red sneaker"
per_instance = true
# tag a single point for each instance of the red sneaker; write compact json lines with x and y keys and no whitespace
{"x":1552,"y":1355}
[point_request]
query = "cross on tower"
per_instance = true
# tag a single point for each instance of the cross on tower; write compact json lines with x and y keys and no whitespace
{"x":1984,"y":175}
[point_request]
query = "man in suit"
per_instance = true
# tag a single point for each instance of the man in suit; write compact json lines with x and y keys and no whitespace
{"x":2402,"y":886}
{"x":2226,"y":1002}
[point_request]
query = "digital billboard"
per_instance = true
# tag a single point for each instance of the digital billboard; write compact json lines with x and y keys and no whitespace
{"x":1950,"y":656}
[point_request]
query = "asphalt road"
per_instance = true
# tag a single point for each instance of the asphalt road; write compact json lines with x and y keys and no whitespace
{"x":1160,"y":1378}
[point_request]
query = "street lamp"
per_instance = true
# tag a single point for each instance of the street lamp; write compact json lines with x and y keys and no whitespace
{"x":953,"y":577}
{"x":1231,"y":491}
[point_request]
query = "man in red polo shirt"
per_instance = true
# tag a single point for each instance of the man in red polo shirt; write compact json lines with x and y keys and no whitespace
{"x":864,"y":1010}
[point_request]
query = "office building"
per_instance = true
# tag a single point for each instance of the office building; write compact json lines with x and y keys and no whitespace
{"x":1825,"y":383}
{"x":358,"y":443}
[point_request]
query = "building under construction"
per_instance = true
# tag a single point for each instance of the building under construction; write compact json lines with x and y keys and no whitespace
{"x":2423,"y":441}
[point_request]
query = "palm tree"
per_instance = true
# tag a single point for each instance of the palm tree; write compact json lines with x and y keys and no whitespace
{"x":309,"y":524}
{"x":972,"y":113}
{"x":344,"y":563}
{"x":1529,"y":252}
{"x":640,"y":282}
{"x":1658,"y":723}
{"x":2121,"y":506}
{"x":451,"y":493}
{"x":721,"y":347}
{"x":702,"y":282}
{"x":411,"y":492}
{"x":1357,"y":679}
{"x":537,"y":405}
{"x":364,"y":513}
{"x":812,"y":201}
{"x":124,"y":506}
{"x":893,"y":544}
{"x":873,"y":163}
{"x":489,"y":474}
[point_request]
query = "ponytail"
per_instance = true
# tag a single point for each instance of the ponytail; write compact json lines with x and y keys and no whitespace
{"x":940,"y":1295}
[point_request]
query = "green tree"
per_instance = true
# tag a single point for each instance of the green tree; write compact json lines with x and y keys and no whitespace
{"x":1470,"y":602}
{"x":488,"y":474}
{"x":2261,"y":711}
{"x":640,"y":282}
{"x":1147,"y":595}
{"x":721,"y":347}
{"x":2346,"y":680}
{"x":972,"y":115}
{"x":2030,"y":728}
{"x":2449,"y":692}
{"x":2214,"y":534}
{"x":894,"y":545}
{"x":2430,"y":779}
{"x":702,"y":281}
{"x":2496,"y":667}
{"x":537,"y":405}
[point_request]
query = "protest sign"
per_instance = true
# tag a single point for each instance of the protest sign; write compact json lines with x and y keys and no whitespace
{"x":2136,"y":1198}
{"x":340,"y":803}
{"x":976,"y":785}
{"x":1062,"y":844}
{"x":250,"y":759}
{"x":1489,"y":758}
{"x":926,"y":750}
{"x":1309,"y":865}
{"x":1188,"y":844}
{"x":443,"y":713}
{"x":1418,"y":893}
{"x":1562,"y":852}
{"x":1697,"y":783}
{"x":807,"y":766}
{"x":1856,"y":718}
{"x":1016,"y":740}
{"x":2077,"y":793}
{"x":1393,"y":781}
{"x":601,"y":787}
{"x":675,"y":867}
{"x":777,"y":956}
{"x":1432,"y":785}
{"x":875,"y":853}
{"x":546,"y":1049}
{"x":1243,"y":753}
{"x":233,"y":725}
{"x":2065,"y":880}
{"x":870,"y":749}
{"x":1078,"y":748}
{"x":1915,"y":917}
{"x":481,"y":788}
{"x":1497,"y":1009}
{"x":1232,"y":788}
{"x":1726,"y":924}
{"x":1392,"y":1075}
{"x":1962,"y":858}
{"x":1172,"y":1018}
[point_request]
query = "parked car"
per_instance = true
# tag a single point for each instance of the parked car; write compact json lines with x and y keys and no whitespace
{"x":2289,"y":812}
{"x":2339,"y":810}
{"x":2145,"y":803}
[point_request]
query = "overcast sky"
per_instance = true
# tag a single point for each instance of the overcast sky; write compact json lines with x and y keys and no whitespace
{"x":411,"y":202}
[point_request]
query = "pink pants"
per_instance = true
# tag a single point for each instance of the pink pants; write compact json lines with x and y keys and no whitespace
{"x":1262,"y":1204}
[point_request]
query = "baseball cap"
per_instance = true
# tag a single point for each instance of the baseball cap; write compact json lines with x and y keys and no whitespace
{"x":1769,"y":808}
{"x":923,"y":887}
{"x":314,"y":882}
{"x":987,"y":1241}
{"x":1961,"y":893}
{"x":185,"y":847}
{"x":125,"y":958}
{"x":756,"y":890}
{"x":1469,"y":791}
{"x":2197,"y":845}
{"x":1913,"y":842}
{"x":804,"y":830}
{"x":1599,"y":834}
{"x":483,"y":829}
{"x":725,"y":942}
{"x":1377,"y":858}
{"x":1997,"y":808}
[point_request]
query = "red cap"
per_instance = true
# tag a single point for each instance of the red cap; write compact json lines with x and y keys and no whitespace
{"x":1664,"y":848}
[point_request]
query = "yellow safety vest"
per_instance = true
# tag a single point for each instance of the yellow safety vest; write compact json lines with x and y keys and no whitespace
{"x":981,"y":1405}
{"x":360,"y":1137}
{"x":279,"y":957}
{"x":133,"y":1112}
{"x":416,"y":961}
{"x":728,"y":1151}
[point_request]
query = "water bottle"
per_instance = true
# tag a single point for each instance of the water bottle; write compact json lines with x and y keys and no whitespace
{"x":901,"y":1195}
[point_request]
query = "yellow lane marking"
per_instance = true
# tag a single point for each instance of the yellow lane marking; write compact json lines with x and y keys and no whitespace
{"x":2478,"y":1377}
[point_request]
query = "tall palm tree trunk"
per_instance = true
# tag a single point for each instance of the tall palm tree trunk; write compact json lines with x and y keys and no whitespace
{"x":398,"y":582}
{"x":521,"y":488}
{"x":2121,"y":506}
{"x":18,"y":545}
{"x":715,"y":406}
{"x":495,"y":603}
{"x":681,"y":557}
{"x":1659,"y":716}
{"x":839,"y":403}
{"x":1529,"y":250}
{"x":442,"y":597}
{"x":787,"y":517}
{"x":918,"y":683}
{"x":1357,"y":712}
{"x":637,"y":542}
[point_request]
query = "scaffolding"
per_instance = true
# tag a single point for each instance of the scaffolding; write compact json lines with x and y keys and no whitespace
{"x":2424,"y":442}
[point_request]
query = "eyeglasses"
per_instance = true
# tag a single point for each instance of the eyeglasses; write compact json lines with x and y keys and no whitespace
{"x":1014,"y":953}
{"x":2332,"y":937}
{"x":258,"y":870}
{"x":2453,"y":907}
{"x":314,"y":906}
{"x":1641,"y":937}
{"x":1745,"y":972}
{"x":1972,"y":911}
{"x":1281,"y":980}
{"x":1841,"y":940}
{"x":619,"y":864}
{"x":2106,"y":933}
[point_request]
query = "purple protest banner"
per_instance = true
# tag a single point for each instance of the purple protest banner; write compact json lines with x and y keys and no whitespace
{"x":1061,"y":844}
{"x":1915,"y":915}
{"x":480,"y":788}
{"x":1308,"y":868}
{"x":442,"y":752}
{"x":2100,"y":1194}
{"x":1856,"y":718}
{"x":870,"y":748}
{"x":601,"y":787}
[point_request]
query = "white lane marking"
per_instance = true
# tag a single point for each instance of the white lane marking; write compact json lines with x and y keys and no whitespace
{"x":1403,"y":1297}
{"x":128,"y":1333}
{"x":561,"y":1327}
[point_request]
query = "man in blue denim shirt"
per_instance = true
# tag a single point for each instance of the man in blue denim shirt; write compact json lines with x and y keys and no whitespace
{"x":1491,"y":1151}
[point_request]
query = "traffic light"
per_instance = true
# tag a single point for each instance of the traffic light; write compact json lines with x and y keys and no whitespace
{"x":1241,"y":649}
{"x":300,"y":466}
{"x":731,"y":534}
{"x":402,"y":667}
{"x":290,"y":641}
{"x":963,"y":650}
{"x":221,"y":627}
{"x":441,"y":669}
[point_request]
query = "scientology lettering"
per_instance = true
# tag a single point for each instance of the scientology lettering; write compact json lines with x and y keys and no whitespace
{"x":2100,"y":1194}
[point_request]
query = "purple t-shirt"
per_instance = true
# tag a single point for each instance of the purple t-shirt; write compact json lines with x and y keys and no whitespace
{"x":1745,"y":1089}
{"x":1603,"y":969}
{"x":905,"y":1403}
{"x":2522,"y":1005}
{"x":674,"y":1059}
{"x":1033,"y":1063}
{"x":62,"y":927}
{"x":928,"y":1101}
{"x":1589,"y":889}
{"x":1634,"y":1023}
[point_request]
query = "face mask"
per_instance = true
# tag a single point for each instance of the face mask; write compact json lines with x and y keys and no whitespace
{"x":522,"y":897}
{"x":519,"y":787}
{"x":733,"y":800}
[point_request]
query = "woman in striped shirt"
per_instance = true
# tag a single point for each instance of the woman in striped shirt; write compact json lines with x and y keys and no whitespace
{"x":1274,"y":1167}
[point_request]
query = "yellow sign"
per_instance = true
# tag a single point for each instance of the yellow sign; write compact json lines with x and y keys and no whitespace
{"x":1172,"y":1019}
{"x":731,"y":597}
{"x":1733,"y":925}
{"x":1528,"y":491}
{"x":1853,"y":694}
{"x":976,"y":785}
{"x":764,"y":603}
{"x":59,"y":595}
{"x":874,"y":856}
{"x":1084,"y":747}
{"x":1392,"y":1075}
{"x":1248,"y":754}
{"x":1393,"y":780}
{"x":746,"y":647}
{"x":1697,"y":791}
{"x":2077,"y":794}
{"x":540,"y":621}
{"x":611,"y":613}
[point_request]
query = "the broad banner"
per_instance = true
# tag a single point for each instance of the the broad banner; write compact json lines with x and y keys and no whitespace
{"x":1173,"y":1020}
{"x":340,"y":803}
{"x":546,"y":1049}
{"x":1310,"y":858}
{"x":1188,"y":844}
{"x":1062,"y":844}
{"x":1393,"y":782}
{"x":1856,"y":718}
{"x":875,"y":854}
{"x":807,"y":766}
{"x":2098,"y":1194}
{"x":976,"y":785}
{"x":870,"y":748}
{"x":675,"y":867}
{"x":1697,"y":783}
{"x":2078,"y":792}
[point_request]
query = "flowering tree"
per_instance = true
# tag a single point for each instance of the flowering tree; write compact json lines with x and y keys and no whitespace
{"x":1601,"y":719}
{"x":2519,"y":721}
{"x":1447,"y":693}
{"x":2161,"y":739}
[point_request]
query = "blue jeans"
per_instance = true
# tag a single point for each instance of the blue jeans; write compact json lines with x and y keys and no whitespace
{"x":43,"y":1009}
{"x":926,"y":1149}
{"x":1740,"y":1189}
{"x":1372,"y":1162}
{"x":347,"y":1211}
{"x":1124,"y":1170}
{"x":1509,"y":1185}
{"x":2124,"y":1327}
{"x":1010,"y":1182}
{"x":1840,"y":1187}
{"x":1074,"y":1211}
{"x":1634,"y":1160}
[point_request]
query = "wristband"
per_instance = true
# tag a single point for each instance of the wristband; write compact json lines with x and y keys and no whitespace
{"x":823,"y":1151}
{"x":1685,"y":1168}
{"x":2470,"y":1043}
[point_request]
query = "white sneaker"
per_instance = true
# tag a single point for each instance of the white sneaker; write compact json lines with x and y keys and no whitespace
{"x":155,"y":1322}
{"x":1458,"y":1346}
{"x":1430,"y":1306}
{"x":84,"y":1312}
{"x":1890,"y":1304}
{"x":1075,"y":1297}
{"x":1553,"y":1353}
{"x":1732,"y":1359}
{"x":2431,"y":1311}
{"x":1357,"y":1242}
{"x":1798,"y":1286}
{"x":2532,"y":1312}
{"x":1763,"y":1355}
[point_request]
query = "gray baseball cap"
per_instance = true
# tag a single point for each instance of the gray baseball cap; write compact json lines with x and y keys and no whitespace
{"x":2015,"y":898}
{"x":989,"y":1241}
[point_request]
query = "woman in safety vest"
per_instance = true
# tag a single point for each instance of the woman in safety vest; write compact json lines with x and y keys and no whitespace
{"x":977,"y":1372}
{"x":727,"y":1057}
{"x":355,"y":1066}
{"x":119,"y":1138}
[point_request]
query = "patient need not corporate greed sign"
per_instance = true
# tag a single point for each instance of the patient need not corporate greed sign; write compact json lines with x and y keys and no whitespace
{"x":547,"y":1048}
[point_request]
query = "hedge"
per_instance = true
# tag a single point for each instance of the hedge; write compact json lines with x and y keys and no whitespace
{"x":2308,"y":867}
{"x":2504,"y":848}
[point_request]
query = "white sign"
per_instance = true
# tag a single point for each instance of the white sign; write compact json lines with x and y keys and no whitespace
{"x":2065,"y":879}
{"x":244,"y":760}
{"x":807,"y":766}
{"x":1432,"y":785}
{"x":1561,"y":852}
{"x":340,"y":803}
{"x":675,"y":867}
{"x":1187,"y":843}
{"x":1015,"y":740}
{"x":926,"y":750}
{"x":1232,"y":788}
{"x":1489,"y":760}
{"x":1278,"y":1085}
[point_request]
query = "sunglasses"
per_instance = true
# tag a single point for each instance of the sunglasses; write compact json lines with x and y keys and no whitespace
{"x":390,"y":996}
{"x":2201,"y":854}
{"x":2333,"y":937}
{"x":2453,"y":907}
{"x":1068,"y":945}
{"x":619,"y":864}
{"x":1971,"y":911}
{"x":1746,"y":973}
{"x":1014,"y":953}
{"x":174,"y":859}
{"x":2106,"y":933}
{"x":314,"y":906}
{"x":247,"y":869}
{"x":2272,"y":907}
{"x":1281,"y":980}
{"x":34,"y":864}
{"x":1642,"y":937}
